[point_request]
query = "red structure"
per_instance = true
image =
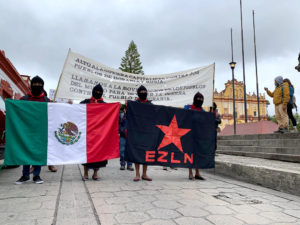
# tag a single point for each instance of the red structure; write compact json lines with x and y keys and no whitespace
{"x":12,"y":85}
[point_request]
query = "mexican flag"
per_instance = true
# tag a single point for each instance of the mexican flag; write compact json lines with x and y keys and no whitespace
{"x":41,"y":133}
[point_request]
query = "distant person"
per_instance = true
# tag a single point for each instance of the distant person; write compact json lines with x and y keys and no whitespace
{"x":197,"y":105}
{"x":142,"y":98}
{"x":291,"y":105}
{"x":95,"y":99}
{"x":36,"y":94}
{"x":281,"y":97}
{"x":218,"y":120}
{"x":122,"y":139}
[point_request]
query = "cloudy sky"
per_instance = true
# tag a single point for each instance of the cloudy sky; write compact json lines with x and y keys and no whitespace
{"x":171,"y":35}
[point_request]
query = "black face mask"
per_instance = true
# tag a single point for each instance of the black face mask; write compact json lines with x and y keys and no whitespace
{"x":198,"y":103}
{"x":142,"y":96}
{"x":36,"y":90}
{"x":97,"y":95}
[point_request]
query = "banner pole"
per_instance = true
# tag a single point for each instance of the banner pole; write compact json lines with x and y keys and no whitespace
{"x":212,"y":104}
{"x":61,"y":74}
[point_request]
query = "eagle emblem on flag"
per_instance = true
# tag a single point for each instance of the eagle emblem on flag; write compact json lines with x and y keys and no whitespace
{"x":67,"y":133}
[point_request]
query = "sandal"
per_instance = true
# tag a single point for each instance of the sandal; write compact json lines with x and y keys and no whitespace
{"x":199,"y":177}
{"x":85,"y":178}
{"x":96,"y":178}
{"x":136,"y":179}
{"x":146,"y":178}
{"x":191,"y":178}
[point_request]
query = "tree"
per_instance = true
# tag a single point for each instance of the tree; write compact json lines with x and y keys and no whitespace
{"x":131,"y":62}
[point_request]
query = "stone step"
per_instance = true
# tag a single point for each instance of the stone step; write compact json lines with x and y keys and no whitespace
{"x":291,"y":143}
{"x":278,"y":175}
{"x":247,"y":148}
{"x":273,"y":156}
{"x":261,"y":136}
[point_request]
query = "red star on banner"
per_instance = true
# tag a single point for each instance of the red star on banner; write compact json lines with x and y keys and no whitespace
{"x":172,"y":134}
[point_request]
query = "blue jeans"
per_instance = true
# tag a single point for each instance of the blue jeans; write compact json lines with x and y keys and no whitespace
{"x":122,"y":152}
{"x":36,"y":170}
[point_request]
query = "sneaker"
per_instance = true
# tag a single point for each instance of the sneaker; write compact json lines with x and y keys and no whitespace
{"x":285,"y":130}
{"x":22,"y":180}
{"x":130,"y":168}
{"x":38,"y":180}
{"x":279,"y":131}
{"x":122,"y":167}
{"x":165,"y":168}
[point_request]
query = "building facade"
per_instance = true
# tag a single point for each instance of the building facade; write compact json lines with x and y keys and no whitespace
{"x":12,"y":84}
{"x":224,"y":100}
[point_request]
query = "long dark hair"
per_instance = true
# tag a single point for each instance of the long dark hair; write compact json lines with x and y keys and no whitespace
{"x":289,"y":82}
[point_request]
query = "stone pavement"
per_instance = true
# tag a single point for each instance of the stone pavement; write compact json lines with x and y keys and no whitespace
{"x":169,"y":199}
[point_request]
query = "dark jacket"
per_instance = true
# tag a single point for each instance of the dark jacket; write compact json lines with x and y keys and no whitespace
{"x":122,"y":124}
{"x":41,"y":98}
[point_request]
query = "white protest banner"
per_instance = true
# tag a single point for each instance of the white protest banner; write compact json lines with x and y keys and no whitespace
{"x":81,"y":74}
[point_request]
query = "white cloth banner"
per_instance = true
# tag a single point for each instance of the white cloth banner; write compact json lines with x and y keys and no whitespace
{"x":81,"y":74}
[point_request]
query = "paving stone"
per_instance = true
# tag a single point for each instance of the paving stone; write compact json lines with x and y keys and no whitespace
{"x":102,"y":195}
{"x":267,"y":207}
{"x":107,"y":219}
{"x":224,"y":220}
{"x":278,"y":217}
{"x":131,"y":217}
{"x":287,"y":205}
{"x":294,"y":213}
{"x":189,"y":202}
{"x":252,"y":218}
{"x":169,"y":199}
{"x":192,"y":220}
{"x":144,"y":198}
{"x":118,"y":200}
{"x":193,"y":211}
{"x":159,"y":222}
{"x":166,"y":204}
{"x":244,"y":209}
{"x":110,"y":209}
{"x":163,"y":213}
{"x":221,"y":210}
{"x":139,"y":206}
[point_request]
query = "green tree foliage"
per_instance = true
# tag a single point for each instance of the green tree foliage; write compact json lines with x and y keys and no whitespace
{"x":131,"y":61}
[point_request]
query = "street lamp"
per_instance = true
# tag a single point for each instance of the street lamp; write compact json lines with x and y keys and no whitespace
{"x":232,"y":66}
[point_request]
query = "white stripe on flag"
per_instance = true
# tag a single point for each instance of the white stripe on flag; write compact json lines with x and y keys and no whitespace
{"x":59,"y":152}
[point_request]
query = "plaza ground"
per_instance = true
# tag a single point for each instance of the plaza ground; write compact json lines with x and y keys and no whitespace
{"x":171,"y":198}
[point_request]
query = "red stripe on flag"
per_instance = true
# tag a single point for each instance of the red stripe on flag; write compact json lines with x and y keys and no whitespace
{"x":102,"y":137}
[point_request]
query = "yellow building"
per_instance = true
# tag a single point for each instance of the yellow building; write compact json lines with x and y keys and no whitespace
{"x":224,"y":102}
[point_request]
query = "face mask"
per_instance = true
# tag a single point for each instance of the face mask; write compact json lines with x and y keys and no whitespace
{"x":276,"y":85}
{"x":198,"y":103}
{"x":36,"y":90}
{"x":142,"y":96}
{"x":97,"y":95}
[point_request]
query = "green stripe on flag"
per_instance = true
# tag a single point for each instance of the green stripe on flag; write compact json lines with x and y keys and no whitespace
{"x":26,"y":133}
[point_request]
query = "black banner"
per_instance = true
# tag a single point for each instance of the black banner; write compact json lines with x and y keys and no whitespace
{"x":167,"y":136}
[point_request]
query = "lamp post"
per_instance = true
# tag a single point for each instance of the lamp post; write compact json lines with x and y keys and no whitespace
{"x":232,"y":66}
{"x":257,"y":92}
{"x":243,"y":60}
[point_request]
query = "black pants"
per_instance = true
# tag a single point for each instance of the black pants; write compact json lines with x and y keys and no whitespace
{"x":290,"y":113}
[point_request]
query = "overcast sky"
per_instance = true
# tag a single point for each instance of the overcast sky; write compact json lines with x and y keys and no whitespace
{"x":171,"y":36}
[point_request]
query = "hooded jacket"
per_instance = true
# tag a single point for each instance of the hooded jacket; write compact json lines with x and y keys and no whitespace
{"x":281,"y":94}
